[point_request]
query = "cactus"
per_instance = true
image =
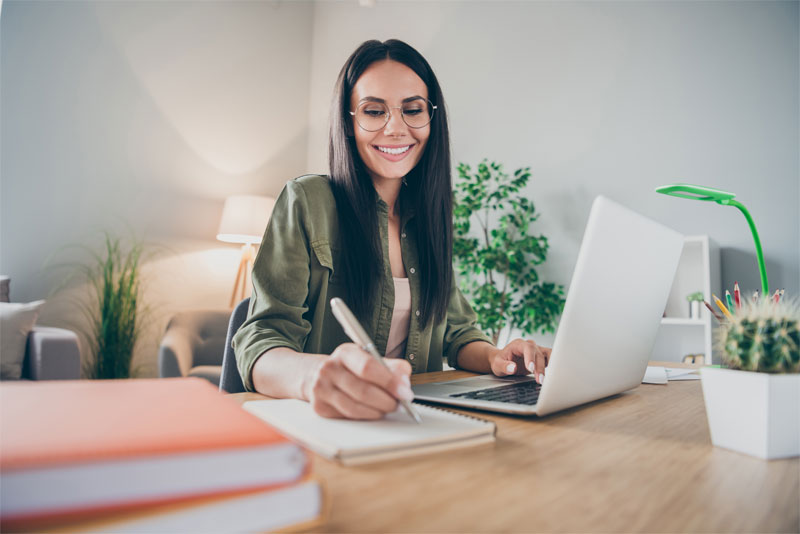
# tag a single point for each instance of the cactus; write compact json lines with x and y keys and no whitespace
{"x":762,"y":336}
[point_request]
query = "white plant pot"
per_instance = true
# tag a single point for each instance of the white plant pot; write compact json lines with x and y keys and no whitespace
{"x":753,"y":413}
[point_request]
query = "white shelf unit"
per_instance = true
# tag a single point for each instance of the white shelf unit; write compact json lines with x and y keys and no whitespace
{"x":679,"y":336}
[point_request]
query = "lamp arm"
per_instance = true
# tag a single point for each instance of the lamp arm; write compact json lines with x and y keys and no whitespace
{"x":759,"y":253}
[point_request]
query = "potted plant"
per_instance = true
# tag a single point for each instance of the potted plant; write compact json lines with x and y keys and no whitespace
{"x":111,"y":321}
{"x":694,"y":304}
{"x":753,"y":402}
{"x":498,"y":266}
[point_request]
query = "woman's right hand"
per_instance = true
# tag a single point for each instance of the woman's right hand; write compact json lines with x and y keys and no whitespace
{"x":350,"y":384}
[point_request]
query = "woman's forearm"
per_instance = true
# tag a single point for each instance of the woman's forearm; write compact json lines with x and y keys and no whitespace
{"x":283,"y":373}
{"x":475,"y":356}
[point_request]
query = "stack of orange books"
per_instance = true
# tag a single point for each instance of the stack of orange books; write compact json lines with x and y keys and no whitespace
{"x":145,"y":455}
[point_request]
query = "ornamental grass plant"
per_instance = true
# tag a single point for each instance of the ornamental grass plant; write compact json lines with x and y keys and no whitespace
{"x":110,"y":321}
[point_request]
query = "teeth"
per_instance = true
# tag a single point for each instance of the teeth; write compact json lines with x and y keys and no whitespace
{"x":394,"y":151}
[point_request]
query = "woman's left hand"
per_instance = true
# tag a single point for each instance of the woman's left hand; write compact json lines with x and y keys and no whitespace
{"x":520,"y":357}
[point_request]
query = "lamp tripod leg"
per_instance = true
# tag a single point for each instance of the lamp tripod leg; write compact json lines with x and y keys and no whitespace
{"x":243,"y":274}
{"x":240,"y":274}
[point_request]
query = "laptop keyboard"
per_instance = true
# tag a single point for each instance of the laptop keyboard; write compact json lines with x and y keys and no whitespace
{"x":518,"y":393}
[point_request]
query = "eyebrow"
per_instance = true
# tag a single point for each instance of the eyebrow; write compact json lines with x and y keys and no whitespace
{"x":381,"y":100}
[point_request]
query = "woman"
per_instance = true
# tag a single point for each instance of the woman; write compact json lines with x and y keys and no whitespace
{"x":378,"y":234}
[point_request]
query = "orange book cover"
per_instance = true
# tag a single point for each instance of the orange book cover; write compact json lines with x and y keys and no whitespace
{"x":69,"y":447}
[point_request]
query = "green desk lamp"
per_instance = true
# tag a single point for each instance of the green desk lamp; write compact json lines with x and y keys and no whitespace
{"x":699,"y":192}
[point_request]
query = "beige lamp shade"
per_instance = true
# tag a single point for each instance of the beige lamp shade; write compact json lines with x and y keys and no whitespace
{"x":244,"y":218}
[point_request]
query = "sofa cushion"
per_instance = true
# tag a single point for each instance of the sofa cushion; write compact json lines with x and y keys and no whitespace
{"x":16,"y":322}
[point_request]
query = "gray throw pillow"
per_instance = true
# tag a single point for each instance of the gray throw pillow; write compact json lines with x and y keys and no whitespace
{"x":16,"y":322}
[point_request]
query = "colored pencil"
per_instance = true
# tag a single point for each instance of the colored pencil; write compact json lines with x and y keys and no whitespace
{"x":776,"y":296}
{"x":729,"y":301}
{"x":737,"y":295}
{"x":755,"y":296}
{"x":722,"y":307}
{"x":715,"y":314}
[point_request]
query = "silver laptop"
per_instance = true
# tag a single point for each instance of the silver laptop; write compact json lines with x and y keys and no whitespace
{"x":624,"y":272}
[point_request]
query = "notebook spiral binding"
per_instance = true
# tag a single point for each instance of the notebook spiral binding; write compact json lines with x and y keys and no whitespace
{"x":440,"y":409}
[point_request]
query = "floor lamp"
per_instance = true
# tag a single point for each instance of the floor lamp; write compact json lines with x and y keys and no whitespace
{"x":244,"y":218}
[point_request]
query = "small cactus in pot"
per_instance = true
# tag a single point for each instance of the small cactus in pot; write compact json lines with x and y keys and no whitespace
{"x":762,"y":336}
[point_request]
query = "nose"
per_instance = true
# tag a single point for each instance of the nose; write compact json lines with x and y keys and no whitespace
{"x":395,"y":125}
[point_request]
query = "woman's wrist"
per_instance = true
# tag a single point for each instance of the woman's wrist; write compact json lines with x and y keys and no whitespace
{"x":308,"y":379}
{"x":284,"y":373}
{"x":477,"y":356}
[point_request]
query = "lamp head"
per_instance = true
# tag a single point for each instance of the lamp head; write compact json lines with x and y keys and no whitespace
{"x":244,"y":218}
{"x":696,"y":192}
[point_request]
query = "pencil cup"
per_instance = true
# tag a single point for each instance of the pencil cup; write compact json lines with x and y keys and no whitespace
{"x":694,"y":309}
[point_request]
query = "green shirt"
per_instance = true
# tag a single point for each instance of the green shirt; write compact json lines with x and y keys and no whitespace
{"x":295,"y":275}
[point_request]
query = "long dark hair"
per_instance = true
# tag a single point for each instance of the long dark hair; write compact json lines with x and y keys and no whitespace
{"x":428,"y":191}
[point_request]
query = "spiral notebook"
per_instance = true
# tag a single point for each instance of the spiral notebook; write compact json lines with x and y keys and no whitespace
{"x":358,"y":442}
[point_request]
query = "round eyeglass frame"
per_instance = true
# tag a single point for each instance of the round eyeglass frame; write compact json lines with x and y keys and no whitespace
{"x":389,"y":115}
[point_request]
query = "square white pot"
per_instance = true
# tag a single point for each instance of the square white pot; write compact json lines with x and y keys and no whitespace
{"x":753,"y":413}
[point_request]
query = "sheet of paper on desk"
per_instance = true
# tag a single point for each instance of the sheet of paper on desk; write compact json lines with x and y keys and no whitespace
{"x":660,"y":375}
{"x":655,"y":375}
{"x":680,"y":373}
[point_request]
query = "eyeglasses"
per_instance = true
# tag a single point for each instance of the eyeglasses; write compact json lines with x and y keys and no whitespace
{"x":373,"y":116}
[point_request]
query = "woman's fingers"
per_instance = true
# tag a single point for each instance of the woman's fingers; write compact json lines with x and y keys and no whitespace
{"x":389,"y":377}
{"x":366,"y":393}
{"x":337,"y":404}
{"x":352,"y":384}
{"x":504,"y":363}
{"x":534,"y":356}
{"x":328,"y":400}
{"x":536,"y":359}
{"x":521,"y":357}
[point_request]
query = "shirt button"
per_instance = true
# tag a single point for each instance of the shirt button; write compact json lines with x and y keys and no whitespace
{"x":403,"y":234}
{"x":411,"y":356}
{"x":412,"y":270}
{"x":417,"y":313}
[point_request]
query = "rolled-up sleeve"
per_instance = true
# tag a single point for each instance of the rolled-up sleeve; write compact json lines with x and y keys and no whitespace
{"x":280,"y":286}
{"x":461,"y":328}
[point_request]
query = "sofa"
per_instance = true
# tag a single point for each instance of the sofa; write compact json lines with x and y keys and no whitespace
{"x":52,"y":354}
{"x":193,"y":344}
{"x":45,"y":352}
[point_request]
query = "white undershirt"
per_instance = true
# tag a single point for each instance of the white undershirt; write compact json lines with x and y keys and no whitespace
{"x":401,"y":319}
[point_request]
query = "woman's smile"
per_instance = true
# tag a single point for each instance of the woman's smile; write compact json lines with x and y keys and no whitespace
{"x":394,"y":152}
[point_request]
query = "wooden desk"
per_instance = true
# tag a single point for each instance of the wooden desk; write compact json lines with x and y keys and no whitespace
{"x":641,"y":461}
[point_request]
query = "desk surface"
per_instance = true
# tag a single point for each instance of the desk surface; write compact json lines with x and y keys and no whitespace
{"x":638,"y":461}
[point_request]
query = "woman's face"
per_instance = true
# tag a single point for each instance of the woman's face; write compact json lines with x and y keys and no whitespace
{"x":395,"y":84}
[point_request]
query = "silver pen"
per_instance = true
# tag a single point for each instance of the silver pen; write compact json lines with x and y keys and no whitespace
{"x":356,"y":332}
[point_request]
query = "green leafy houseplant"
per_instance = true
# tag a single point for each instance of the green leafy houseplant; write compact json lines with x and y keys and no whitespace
{"x":498,"y":267}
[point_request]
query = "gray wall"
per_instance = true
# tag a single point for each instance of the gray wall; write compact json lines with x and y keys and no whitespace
{"x":140,"y":118}
{"x":149,"y":114}
{"x":611,"y":98}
